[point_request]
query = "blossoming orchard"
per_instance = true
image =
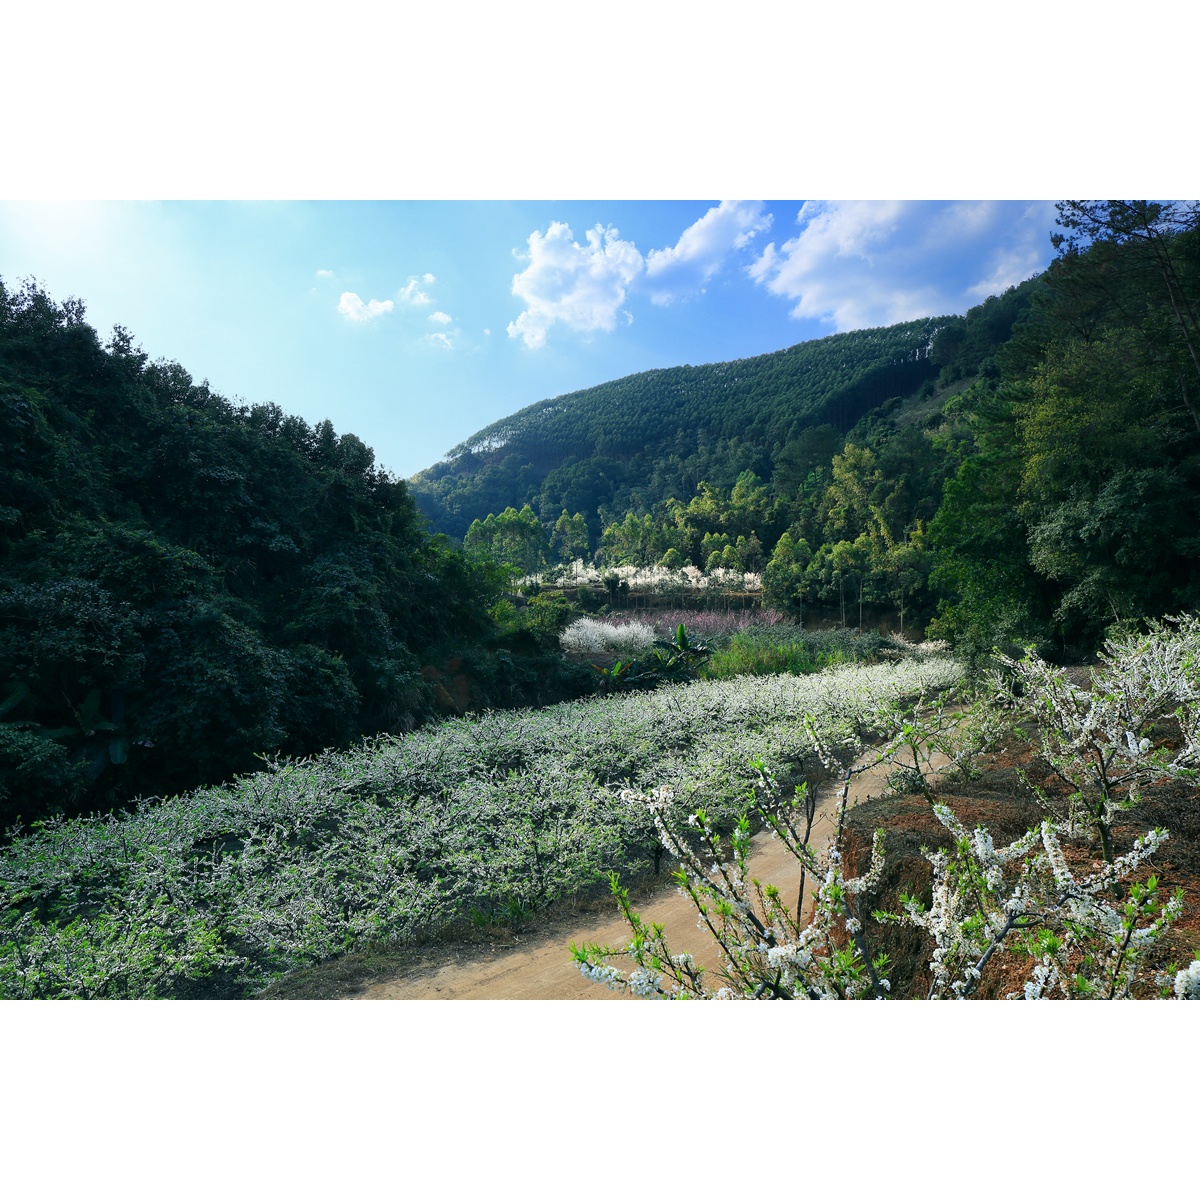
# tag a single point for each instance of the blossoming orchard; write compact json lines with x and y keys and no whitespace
{"x":307,"y":860}
{"x":1081,"y":934}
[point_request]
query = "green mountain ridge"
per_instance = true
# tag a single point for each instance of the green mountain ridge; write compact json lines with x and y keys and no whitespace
{"x":596,"y":445}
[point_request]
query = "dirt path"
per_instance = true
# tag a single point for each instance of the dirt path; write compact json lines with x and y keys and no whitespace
{"x":542,"y":969}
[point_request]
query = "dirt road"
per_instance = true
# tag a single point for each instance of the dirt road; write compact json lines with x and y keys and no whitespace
{"x":543,"y":970}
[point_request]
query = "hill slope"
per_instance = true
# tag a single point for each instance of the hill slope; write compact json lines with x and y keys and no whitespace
{"x":652,"y":432}
{"x":185,"y":583}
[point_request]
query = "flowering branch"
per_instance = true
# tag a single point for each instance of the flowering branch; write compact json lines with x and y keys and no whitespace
{"x":1097,"y":741}
{"x":764,"y":951}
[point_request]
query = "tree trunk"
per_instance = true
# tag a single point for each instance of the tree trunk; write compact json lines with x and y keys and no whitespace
{"x":1105,"y":839}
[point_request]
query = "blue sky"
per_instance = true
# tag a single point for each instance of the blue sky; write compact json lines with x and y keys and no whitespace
{"x":415,"y":323}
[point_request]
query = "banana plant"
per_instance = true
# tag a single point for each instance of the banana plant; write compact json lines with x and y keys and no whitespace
{"x":101,"y":741}
{"x":619,"y":673}
{"x":678,"y":656}
{"x":675,"y":658}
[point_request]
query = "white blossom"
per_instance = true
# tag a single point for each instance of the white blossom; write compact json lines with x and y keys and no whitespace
{"x":1187,"y":982}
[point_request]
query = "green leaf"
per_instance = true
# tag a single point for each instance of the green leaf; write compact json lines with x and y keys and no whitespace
{"x":19,"y":692}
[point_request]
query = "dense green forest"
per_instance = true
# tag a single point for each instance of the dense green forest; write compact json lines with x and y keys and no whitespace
{"x":655,"y":435}
{"x":187,"y":584}
{"x":1029,"y":471}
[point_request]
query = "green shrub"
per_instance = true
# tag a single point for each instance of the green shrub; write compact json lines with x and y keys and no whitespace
{"x":587,"y":601}
{"x":36,"y":773}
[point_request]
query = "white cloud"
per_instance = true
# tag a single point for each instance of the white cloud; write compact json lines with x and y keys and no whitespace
{"x":860,"y":264}
{"x":688,"y":265}
{"x":441,"y":318}
{"x":581,"y":286}
{"x":324,"y":274}
{"x":411,"y":294}
{"x":428,"y":279}
{"x":585,"y":286}
{"x":1019,"y":258}
{"x":445,"y":341}
{"x":487,"y":333}
{"x":356,"y":310}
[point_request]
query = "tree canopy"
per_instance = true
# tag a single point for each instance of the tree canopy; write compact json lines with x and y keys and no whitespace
{"x":187,"y":583}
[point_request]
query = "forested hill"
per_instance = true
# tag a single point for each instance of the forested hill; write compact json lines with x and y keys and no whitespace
{"x":1027,"y":472}
{"x":187,"y":583}
{"x":658,"y":433}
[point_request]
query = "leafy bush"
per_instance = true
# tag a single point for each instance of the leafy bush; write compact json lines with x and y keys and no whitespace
{"x":788,"y":649}
{"x":673,"y":659}
{"x":544,"y":617}
{"x":586,"y":600}
{"x":746,"y":655}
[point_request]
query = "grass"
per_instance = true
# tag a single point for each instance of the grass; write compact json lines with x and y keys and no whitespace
{"x":748,"y":656}
{"x":788,"y":650}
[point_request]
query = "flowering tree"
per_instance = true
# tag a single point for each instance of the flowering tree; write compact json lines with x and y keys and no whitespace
{"x":983,"y":899}
{"x":940,"y":732}
{"x":1083,"y":946}
{"x":1097,"y":741}
{"x":765,"y":951}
